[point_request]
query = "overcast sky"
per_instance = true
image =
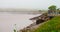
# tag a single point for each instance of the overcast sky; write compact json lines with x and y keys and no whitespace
{"x":28,"y":4}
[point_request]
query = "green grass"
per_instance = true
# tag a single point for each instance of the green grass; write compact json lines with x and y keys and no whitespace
{"x":52,"y":25}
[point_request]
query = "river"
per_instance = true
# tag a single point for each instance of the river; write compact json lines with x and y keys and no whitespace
{"x":8,"y":20}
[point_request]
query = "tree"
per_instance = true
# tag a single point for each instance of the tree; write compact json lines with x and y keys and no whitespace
{"x":52,"y":7}
{"x":58,"y":9}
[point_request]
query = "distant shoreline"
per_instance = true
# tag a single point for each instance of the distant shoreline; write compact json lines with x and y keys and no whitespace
{"x":22,"y":12}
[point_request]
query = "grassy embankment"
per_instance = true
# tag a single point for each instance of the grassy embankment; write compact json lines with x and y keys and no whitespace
{"x":52,"y":25}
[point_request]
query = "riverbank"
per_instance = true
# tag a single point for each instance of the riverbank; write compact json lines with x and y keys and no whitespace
{"x":50,"y":26}
{"x":46,"y":23}
{"x":37,"y":21}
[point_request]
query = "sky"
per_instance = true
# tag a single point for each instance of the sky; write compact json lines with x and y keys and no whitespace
{"x":29,"y":4}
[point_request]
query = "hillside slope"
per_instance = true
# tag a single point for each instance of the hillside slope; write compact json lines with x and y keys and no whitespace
{"x":52,"y":25}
